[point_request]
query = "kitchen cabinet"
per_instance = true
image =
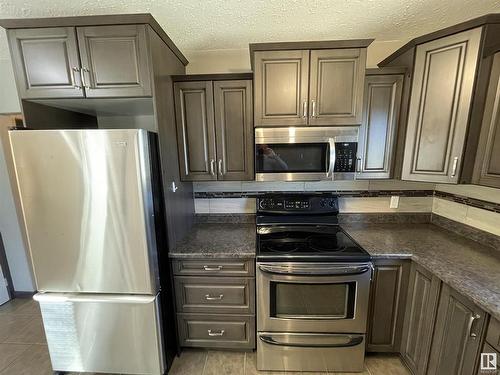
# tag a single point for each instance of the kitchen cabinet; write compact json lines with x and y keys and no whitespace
{"x":492,"y":346}
{"x":457,"y":335}
{"x":441,"y":98}
{"x":215,"y":302}
{"x":487,"y":166}
{"x":386,"y":313}
{"x":420,"y":312}
{"x":309,"y":83}
{"x":88,"y":61}
{"x":379,"y":126}
{"x":215,"y":129}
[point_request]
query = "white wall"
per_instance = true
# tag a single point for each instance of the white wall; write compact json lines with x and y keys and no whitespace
{"x":13,"y":241}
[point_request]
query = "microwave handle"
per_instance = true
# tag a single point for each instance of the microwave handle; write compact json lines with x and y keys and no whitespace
{"x":331,"y":158}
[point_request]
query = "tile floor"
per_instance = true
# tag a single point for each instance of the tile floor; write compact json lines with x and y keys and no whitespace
{"x":23,"y":351}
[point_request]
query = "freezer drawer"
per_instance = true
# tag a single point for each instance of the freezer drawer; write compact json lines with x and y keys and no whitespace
{"x":103,"y":333}
{"x":310,"y":352}
{"x":87,"y":205}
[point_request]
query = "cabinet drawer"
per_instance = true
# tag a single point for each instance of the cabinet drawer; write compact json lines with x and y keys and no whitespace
{"x":231,"y":295}
{"x":219,"y":267}
{"x":217,"y":331}
{"x":493,"y":334}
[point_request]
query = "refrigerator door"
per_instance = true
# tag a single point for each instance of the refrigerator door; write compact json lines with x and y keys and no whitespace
{"x":103,"y":333}
{"x":87,"y":204}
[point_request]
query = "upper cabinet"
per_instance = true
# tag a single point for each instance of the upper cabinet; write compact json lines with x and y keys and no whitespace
{"x":310,"y":83}
{"x":449,"y":102}
{"x":379,"y":127}
{"x":214,"y":127}
{"x":67,"y":62}
{"x":441,"y":97}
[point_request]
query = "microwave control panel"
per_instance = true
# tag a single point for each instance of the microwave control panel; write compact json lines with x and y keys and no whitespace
{"x":345,"y":156}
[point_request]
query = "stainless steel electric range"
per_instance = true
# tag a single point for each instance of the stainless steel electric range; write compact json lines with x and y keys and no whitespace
{"x":313,"y":283}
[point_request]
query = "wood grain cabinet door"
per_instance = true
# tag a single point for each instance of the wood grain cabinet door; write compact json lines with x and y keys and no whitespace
{"x":377,"y":134}
{"x":487,"y":167}
{"x":115,"y":60}
{"x":336,"y":86}
{"x":281,"y":81}
{"x":441,"y":96}
{"x":387,"y":301}
{"x":234,"y":129}
{"x":457,"y":335}
{"x":194,"y":116}
{"x":420,"y":313}
{"x":46,"y":63}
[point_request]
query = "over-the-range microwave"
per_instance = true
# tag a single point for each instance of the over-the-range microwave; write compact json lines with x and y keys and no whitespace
{"x":305,"y":153}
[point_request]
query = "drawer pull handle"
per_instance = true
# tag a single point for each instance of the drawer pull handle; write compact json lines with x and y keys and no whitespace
{"x":208,"y":268}
{"x":216,"y":333}
{"x":472,"y":319}
{"x":208,"y":297}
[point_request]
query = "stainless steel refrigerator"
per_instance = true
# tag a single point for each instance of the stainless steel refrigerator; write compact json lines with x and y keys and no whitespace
{"x":94,"y":216}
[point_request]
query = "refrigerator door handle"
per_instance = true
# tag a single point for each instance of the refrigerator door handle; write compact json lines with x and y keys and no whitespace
{"x":100,"y":298}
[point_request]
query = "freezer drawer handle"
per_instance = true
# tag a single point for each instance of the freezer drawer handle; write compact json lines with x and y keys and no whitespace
{"x":209,"y":268}
{"x":208,"y":297}
{"x":216,"y":333}
{"x":353,"y":341}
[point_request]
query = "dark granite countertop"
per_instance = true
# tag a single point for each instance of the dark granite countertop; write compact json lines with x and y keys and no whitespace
{"x":467,"y":266}
{"x":217,"y":240}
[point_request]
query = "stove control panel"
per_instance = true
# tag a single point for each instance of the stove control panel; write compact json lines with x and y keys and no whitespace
{"x":310,"y":204}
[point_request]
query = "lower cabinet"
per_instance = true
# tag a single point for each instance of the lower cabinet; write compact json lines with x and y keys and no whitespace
{"x":457,"y":335}
{"x":387,"y":296}
{"x":215,"y":302}
{"x":422,"y":300}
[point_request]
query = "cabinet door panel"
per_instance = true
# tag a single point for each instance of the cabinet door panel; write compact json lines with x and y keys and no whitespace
{"x":336,"y":86}
{"x":281,"y":83}
{"x":117,"y":60}
{"x":422,"y":299}
{"x":443,"y":82}
{"x":234,"y":129}
{"x":457,"y":335}
{"x":487,"y":168}
{"x":46,"y":62}
{"x":386,"y":307}
{"x":195,"y":130}
{"x":379,"y":127}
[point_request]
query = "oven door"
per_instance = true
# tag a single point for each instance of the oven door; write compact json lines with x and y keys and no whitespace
{"x":298,"y":154}
{"x":313,"y":297}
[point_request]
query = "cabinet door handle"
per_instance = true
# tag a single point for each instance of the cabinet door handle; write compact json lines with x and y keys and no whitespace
{"x":313,"y":106}
{"x":215,"y":268}
{"x":454,"y":167}
{"x":212,"y":167}
{"x":216,"y":333}
{"x":220,"y":168}
{"x":208,"y":297}
{"x":304,"y":109}
{"x":82,"y":75}
{"x":472,"y":319}
{"x":73,"y":76}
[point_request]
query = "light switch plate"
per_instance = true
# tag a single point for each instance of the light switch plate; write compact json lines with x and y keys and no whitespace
{"x":394,"y":202}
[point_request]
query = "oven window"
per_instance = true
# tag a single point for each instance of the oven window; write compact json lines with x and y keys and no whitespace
{"x":312,"y":301}
{"x":296,"y":157}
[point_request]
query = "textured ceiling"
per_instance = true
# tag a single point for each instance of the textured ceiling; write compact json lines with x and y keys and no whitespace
{"x":231,"y":24}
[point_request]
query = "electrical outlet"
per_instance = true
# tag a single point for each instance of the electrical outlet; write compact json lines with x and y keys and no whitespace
{"x":394,"y":202}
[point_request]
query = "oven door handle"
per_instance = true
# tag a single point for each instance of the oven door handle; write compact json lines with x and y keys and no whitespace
{"x":315,"y":269}
{"x":331,"y":157}
{"x":352,"y":341}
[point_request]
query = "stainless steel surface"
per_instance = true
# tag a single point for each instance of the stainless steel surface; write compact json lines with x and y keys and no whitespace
{"x":313,"y":268}
{"x":278,"y":351}
{"x":103,"y":333}
{"x":297,"y":135}
{"x":358,"y":274}
{"x":88,"y":210}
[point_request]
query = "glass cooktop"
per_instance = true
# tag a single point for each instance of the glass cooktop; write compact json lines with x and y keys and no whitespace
{"x":307,"y":243}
